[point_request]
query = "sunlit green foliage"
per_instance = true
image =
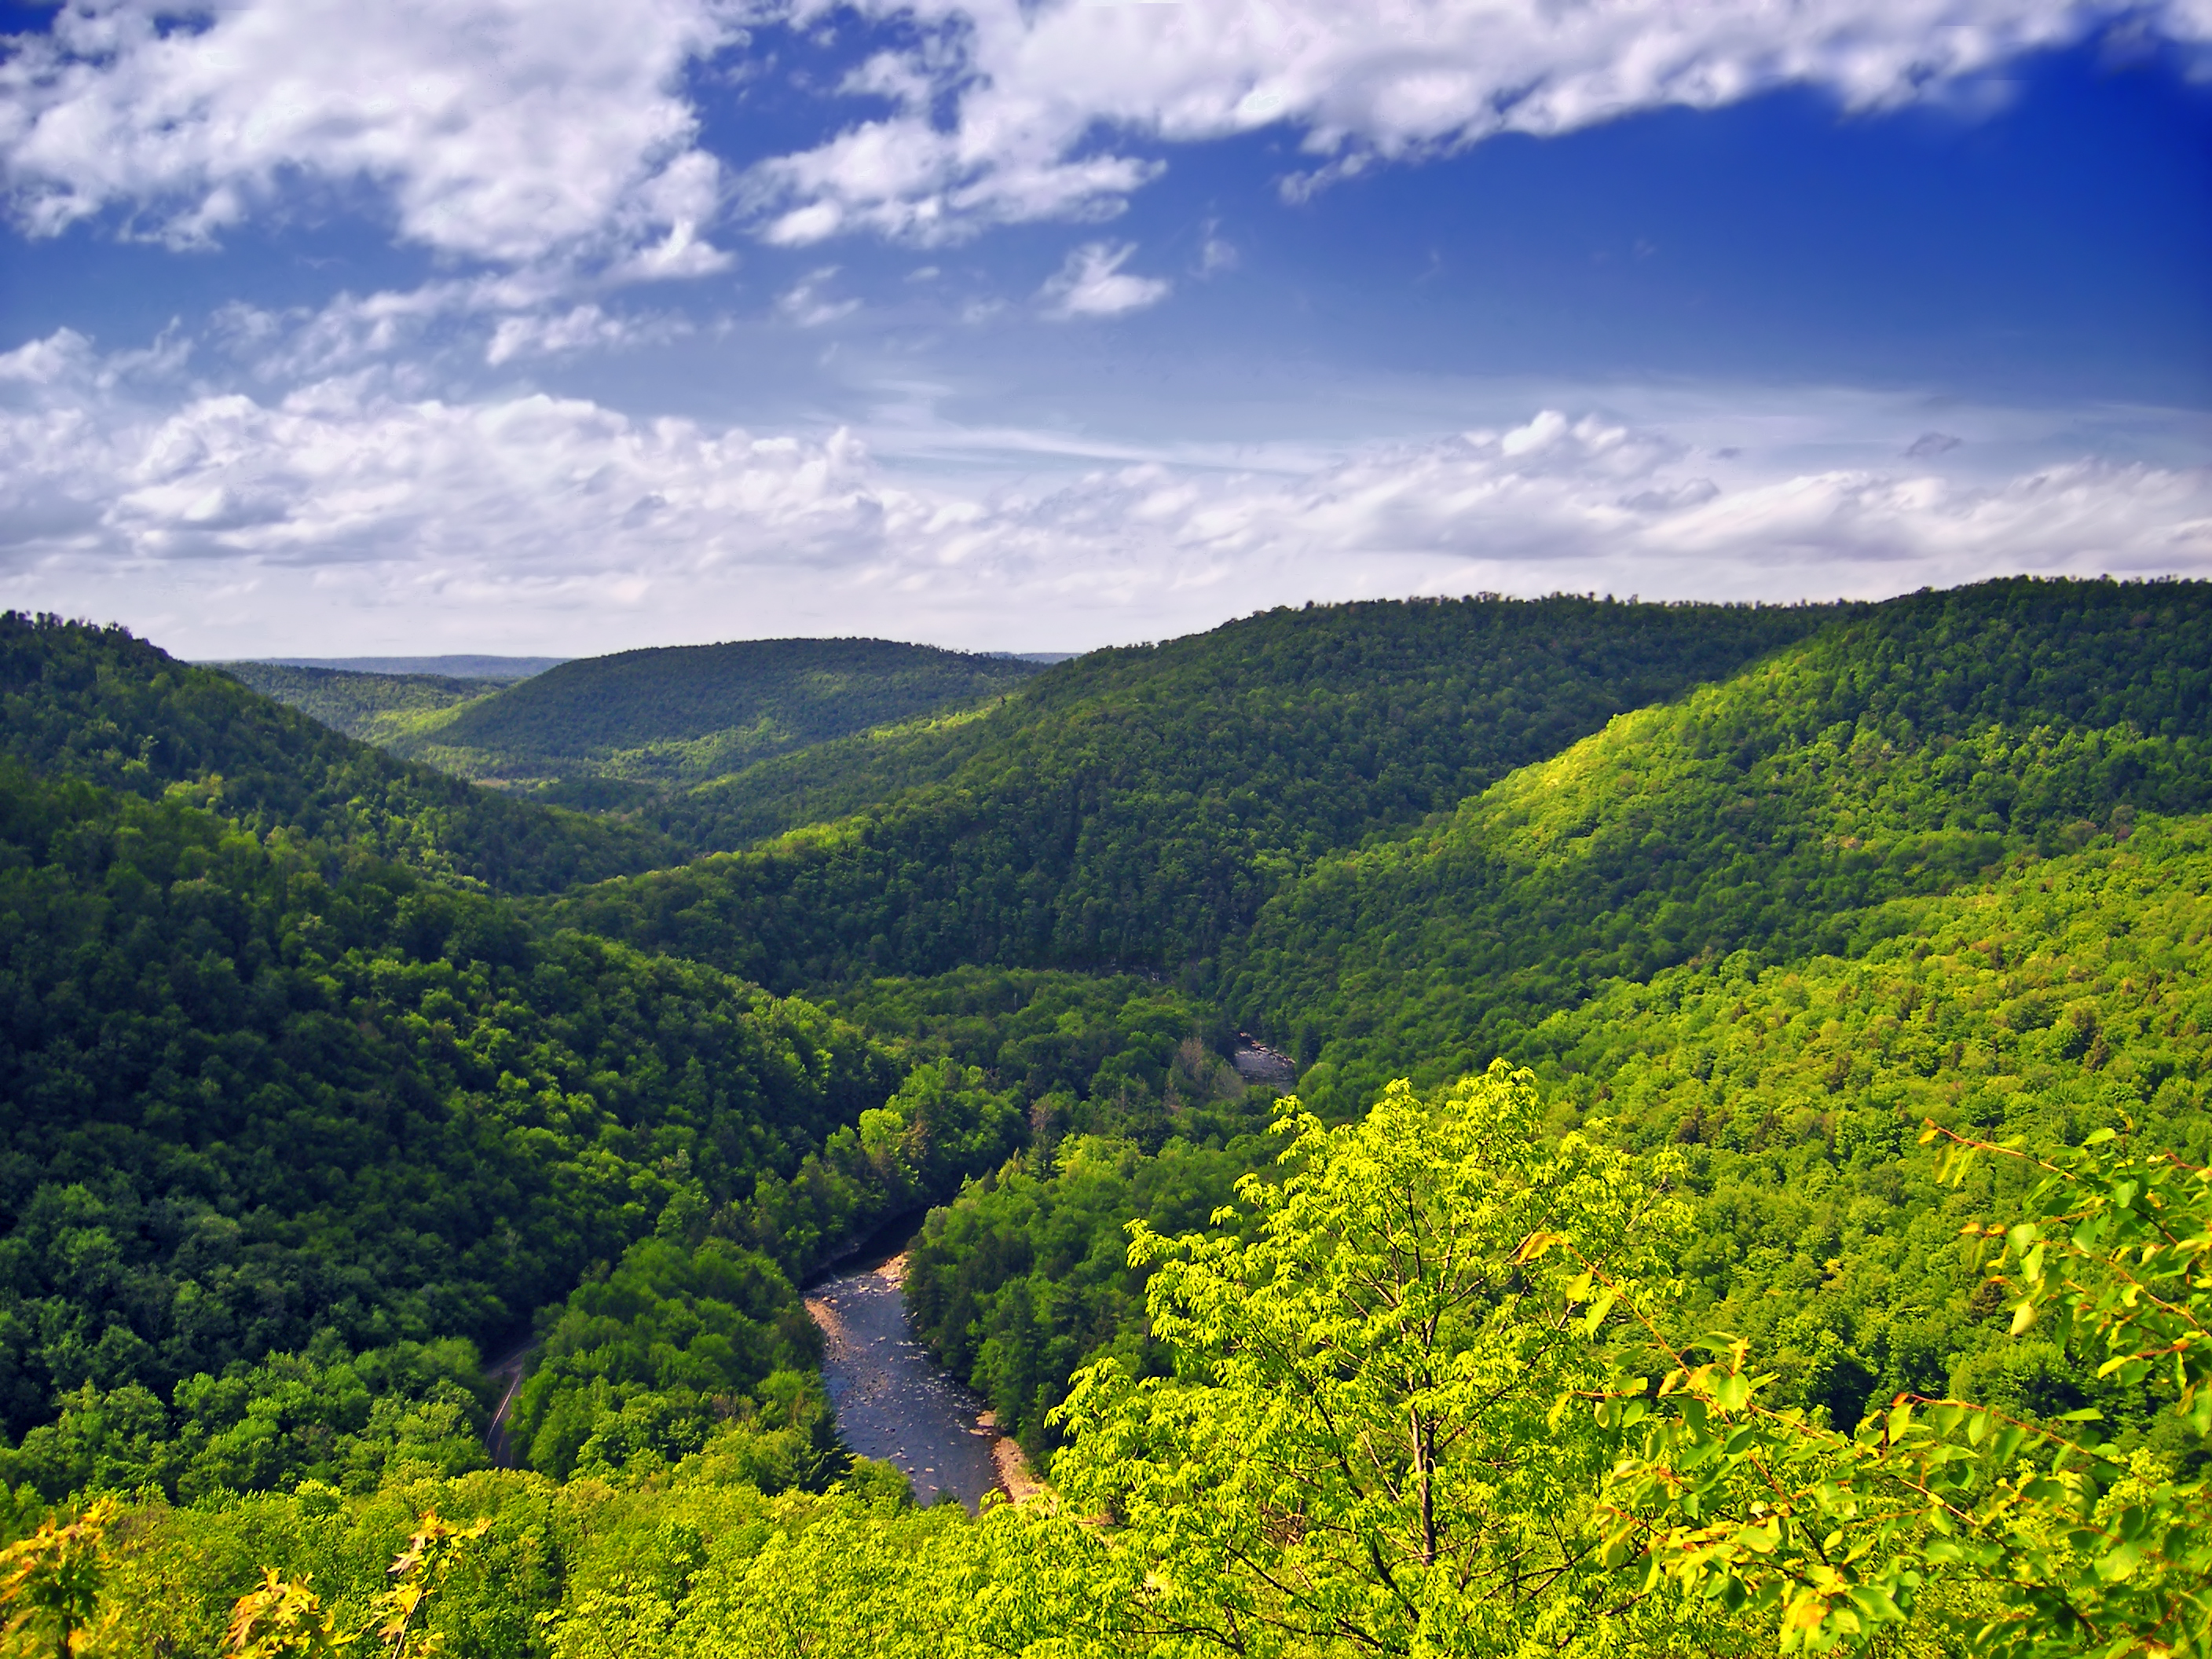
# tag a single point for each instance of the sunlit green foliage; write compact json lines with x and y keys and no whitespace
{"x":1431,"y":1396}
{"x":1359,"y":1447}
{"x":649,"y":1359}
{"x":355,"y":1420}
{"x":1899,"y":753}
{"x":2045,"y":1541}
{"x":1028,"y":1277}
{"x":1115,"y":1055}
{"x":96,"y":704}
{"x":2068,"y":996}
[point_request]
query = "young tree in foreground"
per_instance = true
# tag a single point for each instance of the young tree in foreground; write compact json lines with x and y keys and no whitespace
{"x":50,"y":1582}
{"x":1360,"y":1450}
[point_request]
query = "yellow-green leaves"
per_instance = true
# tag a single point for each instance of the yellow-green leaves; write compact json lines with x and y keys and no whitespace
{"x":281,"y":1619}
{"x":1361,"y":1444}
{"x":50,"y":1582}
{"x":2050,"y":1544}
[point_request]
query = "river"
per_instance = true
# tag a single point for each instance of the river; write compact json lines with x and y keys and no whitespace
{"x":894,"y":1401}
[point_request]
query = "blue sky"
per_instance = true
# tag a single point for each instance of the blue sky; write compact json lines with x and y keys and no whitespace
{"x":475,"y":326}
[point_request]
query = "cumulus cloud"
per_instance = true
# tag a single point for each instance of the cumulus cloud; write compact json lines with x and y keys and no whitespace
{"x":355,"y":493}
{"x":500,"y":130}
{"x":1093,"y":284}
{"x":521,"y":130}
{"x":1036,"y":86}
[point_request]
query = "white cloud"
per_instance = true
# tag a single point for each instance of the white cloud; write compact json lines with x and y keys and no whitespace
{"x":356,"y":502}
{"x":904,"y":178}
{"x":523,"y":131}
{"x":1093,"y":284}
{"x":807,"y":303}
{"x":582,"y":328}
{"x":1036,"y":86}
{"x":503,"y":129}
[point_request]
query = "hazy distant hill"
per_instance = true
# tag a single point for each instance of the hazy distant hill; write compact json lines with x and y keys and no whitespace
{"x":686,"y":714}
{"x":374,"y":706}
{"x":466,"y":668}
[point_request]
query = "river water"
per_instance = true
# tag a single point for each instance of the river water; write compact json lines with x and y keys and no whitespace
{"x":892,"y":1400}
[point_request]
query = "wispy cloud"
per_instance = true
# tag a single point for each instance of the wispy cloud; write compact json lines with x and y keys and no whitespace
{"x":581,"y":328}
{"x":807,"y":302}
{"x":1093,"y":284}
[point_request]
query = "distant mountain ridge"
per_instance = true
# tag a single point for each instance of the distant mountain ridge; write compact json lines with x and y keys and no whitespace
{"x":375,"y":706}
{"x":100,"y":705}
{"x":464,"y":666}
{"x":1133,"y":808}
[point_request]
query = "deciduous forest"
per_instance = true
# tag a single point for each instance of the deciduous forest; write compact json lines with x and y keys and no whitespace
{"x":1738,"y":1184}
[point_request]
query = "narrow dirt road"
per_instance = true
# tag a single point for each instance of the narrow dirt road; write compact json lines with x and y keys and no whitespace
{"x":509,"y":1372}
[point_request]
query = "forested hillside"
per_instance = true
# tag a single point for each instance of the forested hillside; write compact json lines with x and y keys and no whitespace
{"x":1898,"y":753}
{"x":378,"y":708}
{"x":1746,"y":1192}
{"x":682,"y":714}
{"x":96,"y":703}
{"x":267,"y":1097}
{"x":1777,"y":822}
{"x":1138,"y":806}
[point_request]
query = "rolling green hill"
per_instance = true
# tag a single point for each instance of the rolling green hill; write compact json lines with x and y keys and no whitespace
{"x":292,"y":1119}
{"x":684,"y":714}
{"x":1911,"y":780}
{"x":1895,"y":753}
{"x":1135,"y":807}
{"x":378,"y":708}
{"x":97,"y":704}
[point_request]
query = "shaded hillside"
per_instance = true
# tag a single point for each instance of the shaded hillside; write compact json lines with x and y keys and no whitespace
{"x":1899,"y":752}
{"x":686,"y":714}
{"x":257,"y":1097}
{"x":1133,"y":808}
{"x":97,"y":704}
{"x":376,"y":708}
